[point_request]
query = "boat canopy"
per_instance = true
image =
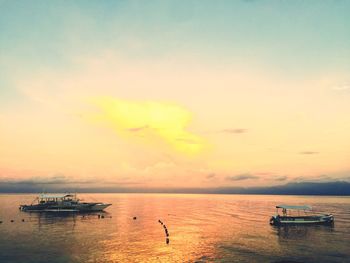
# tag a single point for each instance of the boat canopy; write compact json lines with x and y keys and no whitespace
{"x":295,"y":207}
{"x":54,"y":196}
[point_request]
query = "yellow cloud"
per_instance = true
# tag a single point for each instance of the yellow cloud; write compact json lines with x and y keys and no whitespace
{"x":153,"y":121}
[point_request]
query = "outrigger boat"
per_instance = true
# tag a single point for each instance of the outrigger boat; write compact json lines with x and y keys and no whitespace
{"x":304,"y":216}
{"x":61,"y":203}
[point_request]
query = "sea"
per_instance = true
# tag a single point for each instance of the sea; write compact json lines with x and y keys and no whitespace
{"x":201,"y":228}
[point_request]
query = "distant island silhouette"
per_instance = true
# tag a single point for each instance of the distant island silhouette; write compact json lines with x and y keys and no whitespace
{"x":339,"y":188}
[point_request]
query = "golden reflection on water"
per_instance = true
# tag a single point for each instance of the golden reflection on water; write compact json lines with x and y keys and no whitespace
{"x":202,"y":228}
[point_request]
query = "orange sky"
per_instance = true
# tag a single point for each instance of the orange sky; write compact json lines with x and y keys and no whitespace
{"x":140,"y":113}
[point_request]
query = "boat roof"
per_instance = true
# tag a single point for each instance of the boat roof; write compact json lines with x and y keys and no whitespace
{"x":295,"y":207}
{"x":45,"y":196}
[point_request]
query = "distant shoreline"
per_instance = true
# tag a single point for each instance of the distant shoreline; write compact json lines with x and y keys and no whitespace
{"x":340,"y":188}
{"x":173,"y":193}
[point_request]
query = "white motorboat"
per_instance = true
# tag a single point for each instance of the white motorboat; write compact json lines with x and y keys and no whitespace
{"x":62,"y":203}
{"x":295,"y":214}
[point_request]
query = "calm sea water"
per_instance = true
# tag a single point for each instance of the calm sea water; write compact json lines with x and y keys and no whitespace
{"x":202,"y":228}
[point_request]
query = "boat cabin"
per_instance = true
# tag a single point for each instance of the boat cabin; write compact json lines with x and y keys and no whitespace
{"x":50,"y":198}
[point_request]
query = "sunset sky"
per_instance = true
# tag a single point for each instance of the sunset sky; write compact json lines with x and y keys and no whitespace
{"x":174,"y":94}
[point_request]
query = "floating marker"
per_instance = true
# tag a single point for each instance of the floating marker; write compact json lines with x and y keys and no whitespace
{"x":102,"y":216}
{"x":22,"y":220}
{"x":166,"y":232}
{"x":12,"y":221}
{"x":134,"y":218}
{"x":0,"y":222}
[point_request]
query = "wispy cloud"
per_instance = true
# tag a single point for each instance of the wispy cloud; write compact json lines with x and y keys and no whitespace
{"x":137,"y":129}
{"x":280,"y":178}
{"x":314,"y":178}
{"x":241,"y":177}
{"x":234,"y":131}
{"x":341,"y":87}
{"x":308,"y":152}
{"x":210,"y":176}
{"x":63,"y":182}
{"x":52,"y":180}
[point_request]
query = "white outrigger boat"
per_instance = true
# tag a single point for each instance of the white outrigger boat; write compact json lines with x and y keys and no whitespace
{"x":61,"y":203}
{"x":304,"y":216}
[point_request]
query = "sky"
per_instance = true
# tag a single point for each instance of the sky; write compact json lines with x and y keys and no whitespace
{"x":174,"y":94}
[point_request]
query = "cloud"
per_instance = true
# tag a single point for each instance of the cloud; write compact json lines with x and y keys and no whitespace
{"x":341,"y":87}
{"x":235,"y":131}
{"x":314,"y":178}
{"x":61,"y":182}
{"x":241,"y":177}
{"x":137,"y":129}
{"x":308,"y":152}
{"x":158,"y":121}
{"x":210,"y":176}
{"x":281,"y":178}
{"x":58,"y":179}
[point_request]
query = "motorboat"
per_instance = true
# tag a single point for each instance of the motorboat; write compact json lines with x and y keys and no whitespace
{"x":62,"y":203}
{"x":299,"y":214}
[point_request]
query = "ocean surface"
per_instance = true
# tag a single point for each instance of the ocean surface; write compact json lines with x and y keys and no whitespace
{"x":202,"y":228}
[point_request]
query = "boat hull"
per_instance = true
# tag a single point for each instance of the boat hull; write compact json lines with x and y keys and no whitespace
{"x":80,"y":207}
{"x":99,"y":207}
